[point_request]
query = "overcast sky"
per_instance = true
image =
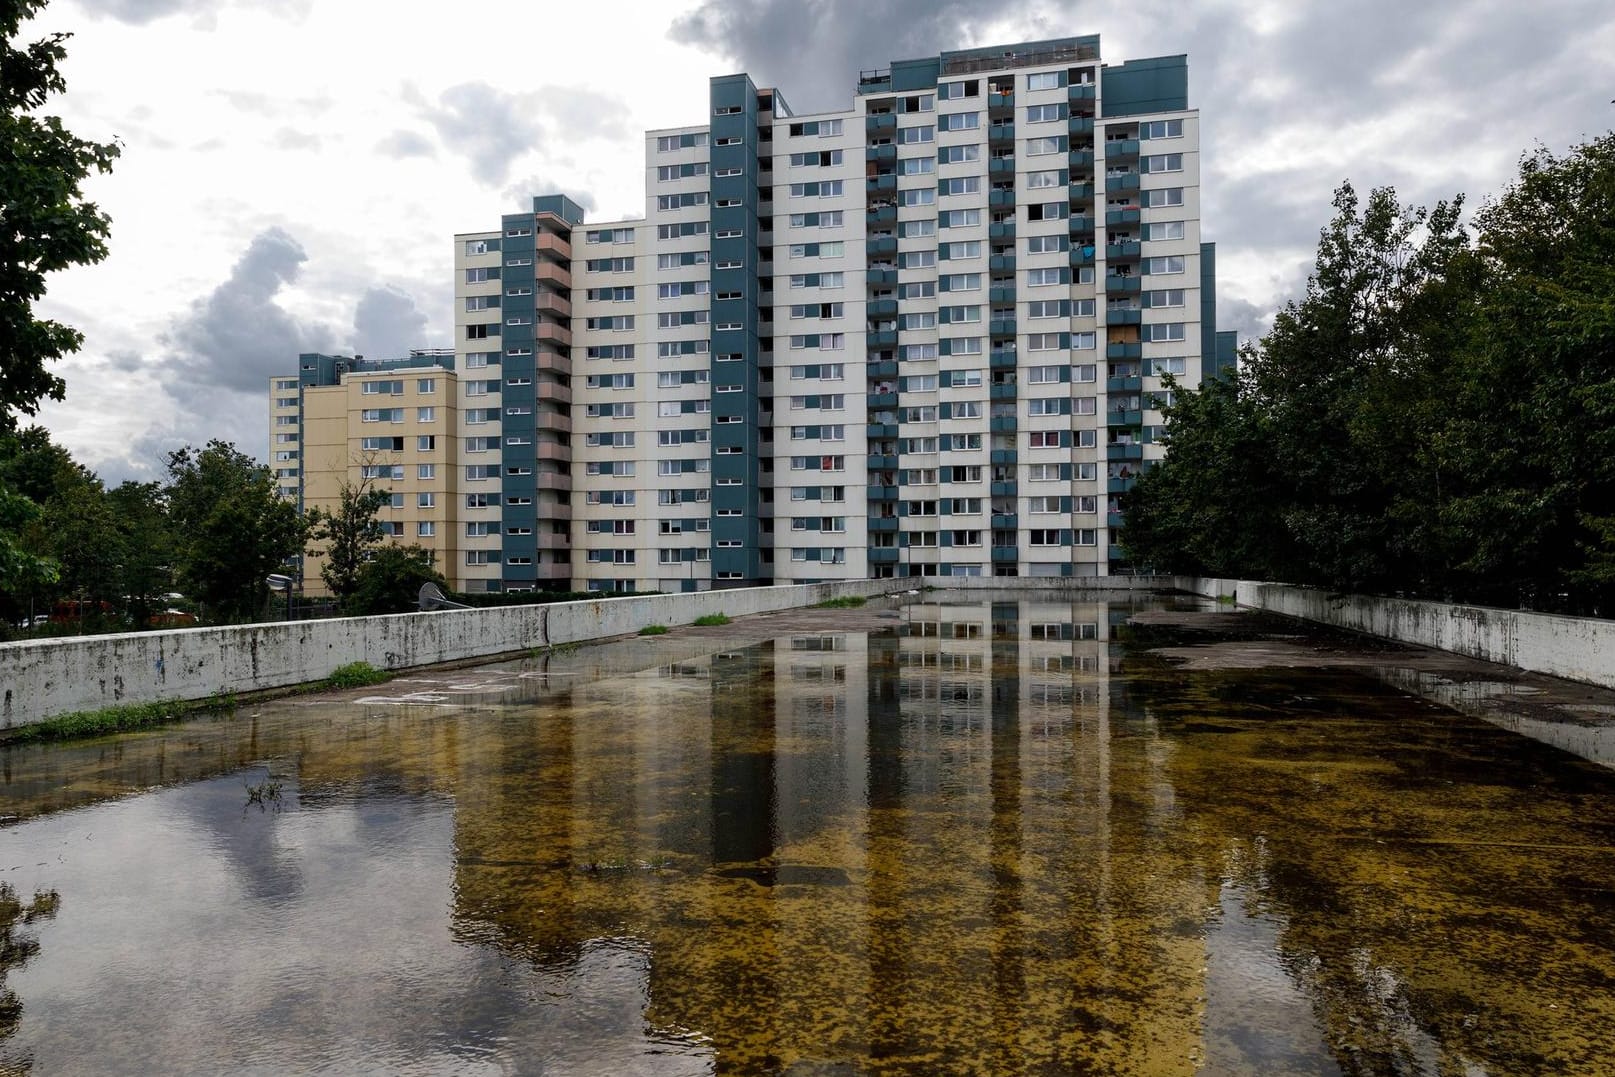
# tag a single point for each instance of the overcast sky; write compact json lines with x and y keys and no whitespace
{"x":293,"y":172}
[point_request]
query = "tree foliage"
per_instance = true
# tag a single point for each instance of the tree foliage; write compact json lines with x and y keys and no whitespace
{"x":348,"y":535}
{"x":230,"y":529}
{"x":390,"y":581}
{"x":45,"y":223}
{"x":1434,"y":415}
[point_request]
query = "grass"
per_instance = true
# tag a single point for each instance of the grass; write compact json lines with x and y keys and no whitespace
{"x":709,"y":620}
{"x":121,"y":718}
{"x":653,"y":630}
{"x":850,"y":602}
{"x":355,"y":675}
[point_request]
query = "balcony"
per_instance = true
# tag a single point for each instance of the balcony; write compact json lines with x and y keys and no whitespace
{"x":551,"y":245}
{"x":554,"y":480}
{"x":1002,"y":360}
{"x":1117,"y":283}
{"x":880,"y":245}
{"x":1123,"y":385}
{"x":1082,"y":224}
{"x":1119,"y":184}
{"x":1119,"y":149}
{"x":553,"y":303}
{"x":1080,"y":91}
{"x":880,"y":555}
{"x":550,"y":273}
{"x":1001,"y":230}
{"x":881,"y":430}
{"x":996,"y":197}
{"x":1001,"y":327}
{"x":1002,"y":456}
{"x":882,"y":215}
{"x":1080,"y":158}
{"x":887,"y":152}
{"x":886,"y":184}
{"x":1005,"y":553}
{"x":882,"y":369}
{"x":1125,"y":418}
{"x":1003,"y":424}
{"x":884,"y":339}
{"x":553,"y":333}
{"x":1003,"y":293}
{"x":1082,"y":254}
{"x":550,"y":361}
{"x":882,"y":463}
{"x":1123,"y":316}
{"x":1003,"y":391}
{"x":1003,"y":489}
{"x":880,"y":122}
{"x":882,"y":493}
{"x":1000,"y":99}
{"x":1001,"y":132}
{"x":1081,"y":125}
{"x":1001,"y":166}
{"x":1122,"y":251}
{"x":882,"y":400}
{"x":1004,"y":262}
{"x":1118,"y":486}
{"x":881,"y":276}
{"x":1005,"y":520}
{"x":881,"y":308}
{"x":1080,"y":192}
{"x":883,"y":523}
{"x":1121,"y":350}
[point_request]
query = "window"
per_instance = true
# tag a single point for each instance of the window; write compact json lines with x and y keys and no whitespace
{"x":424,"y":415}
{"x":908,"y":136}
{"x":382,"y":415}
{"x":1047,"y":244}
{"x":962,"y":282}
{"x":1161,"y":129}
{"x":482,"y":246}
{"x":919,"y":196}
{"x":951,"y":91}
{"x":917,"y":260}
{"x":960,"y":185}
{"x":959,"y":218}
{"x":1046,"y":308}
{"x":1165,"y":196}
{"x":1177,"y":367}
{"x":1165,"y":331}
{"x":1037,"y":278}
{"x":1164,"y":230}
{"x":916,"y":166}
{"x":1046,"y":80}
{"x":1043,"y":439}
{"x":1164,"y":162}
{"x":610,"y":235}
{"x":958,"y":121}
{"x":426,"y":471}
{"x":1045,"y":113}
{"x":1165,"y":297}
{"x":1164,"y":266}
{"x":610,"y":265}
{"x":1038,"y":147}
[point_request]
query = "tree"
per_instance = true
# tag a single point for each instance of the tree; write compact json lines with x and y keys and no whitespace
{"x":45,"y":223}
{"x":390,"y":582}
{"x":349,"y":534}
{"x":146,"y":573}
{"x":230,"y":529}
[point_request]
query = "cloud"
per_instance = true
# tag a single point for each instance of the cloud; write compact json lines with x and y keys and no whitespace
{"x":401,"y":144}
{"x":387,"y":324}
{"x":203,"y":13}
{"x":494,"y":129}
{"x":288,"y":139}
{"x":238,"y":337}
{"x":520,"y":194}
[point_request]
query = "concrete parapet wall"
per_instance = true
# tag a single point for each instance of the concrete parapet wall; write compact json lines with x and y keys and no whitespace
{"x":1576,"y":648}
{"x":43,"y":678}
{"x":1051,"y":585}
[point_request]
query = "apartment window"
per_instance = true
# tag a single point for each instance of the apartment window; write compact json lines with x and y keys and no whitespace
{"x":1082,"y":342}
{"x":1165,"y":297}
{"x":1164,"y":266}
{"x":609,"y":235}
{"x":908,"y":136}
{"x":1043,"y":439}
{"x":1037,"y":278}
{"x":960,"y":185}
{"x":1164,"y":230}
{"x":424,"y":415}
{"x":1045,"y":113}
{"x":1045,"y":80}
{"x":958,"y":121}
{"x":956,"y":155}
{"x":481,"y":246}
{"x":1039,"y":147}
{"x":426,"y":471}
{"x":1168,"y":331}
{"x":382,"y":415}
{"x":1161,"y":129}
{"x":1047,"y":244}
{"x":1164,"y":162}
{"x":1165,"y":196}
{"x":919,"y":196}
{"x":425,"y":500}
{"x":1177,"y":367}
{"x":1053,"y":178}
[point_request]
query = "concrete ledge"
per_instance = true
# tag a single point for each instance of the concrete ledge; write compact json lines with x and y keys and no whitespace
{"x":43,"y":678}
{"x":1576,"y":648}
{"x":1052,"y":585}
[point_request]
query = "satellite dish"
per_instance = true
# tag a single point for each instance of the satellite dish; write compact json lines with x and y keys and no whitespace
{"x":432,"y":598}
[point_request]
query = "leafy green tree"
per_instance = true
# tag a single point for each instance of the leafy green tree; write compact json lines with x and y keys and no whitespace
{"x":48,"y":225}
{"x":348,"y":535}
{"x":146,"y":572}
{"x":390,"y":581}
{"x":230,"y":529}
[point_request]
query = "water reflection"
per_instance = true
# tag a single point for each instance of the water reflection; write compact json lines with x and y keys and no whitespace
{"x":998,"y":838}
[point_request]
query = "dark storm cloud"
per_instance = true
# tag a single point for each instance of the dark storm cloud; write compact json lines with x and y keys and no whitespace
{"x":387,"y":323}
{"x":237,"y":337}
{"x":493,"y":129}
{"x":1434,"y":99}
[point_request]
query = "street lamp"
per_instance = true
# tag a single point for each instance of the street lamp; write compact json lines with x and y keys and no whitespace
{"x":278,"y":582}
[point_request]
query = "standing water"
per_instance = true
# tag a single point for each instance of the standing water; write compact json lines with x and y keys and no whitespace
{"x":979,"y":837}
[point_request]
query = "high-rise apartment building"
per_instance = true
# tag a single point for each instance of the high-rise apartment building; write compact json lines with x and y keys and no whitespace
{"x":920,"y":336}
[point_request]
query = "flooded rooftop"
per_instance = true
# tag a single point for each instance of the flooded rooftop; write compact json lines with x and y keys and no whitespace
{"x":957,"y":833}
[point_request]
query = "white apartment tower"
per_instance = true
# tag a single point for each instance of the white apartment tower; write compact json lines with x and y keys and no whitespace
{"x":921,"y":336}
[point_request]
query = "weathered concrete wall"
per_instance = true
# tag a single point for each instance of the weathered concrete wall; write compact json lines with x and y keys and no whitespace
{"x":1051,"y":585}
{"x":42,"y":678}
{"x":1577,"y":648}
